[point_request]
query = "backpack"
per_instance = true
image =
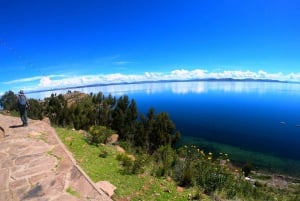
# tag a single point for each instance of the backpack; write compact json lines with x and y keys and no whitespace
{"x":22,"y":100}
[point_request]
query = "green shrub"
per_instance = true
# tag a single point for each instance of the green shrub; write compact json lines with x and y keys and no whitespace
{"x":98,"y":134}
{"x":139,"y":164}
{"x":164,"y":160}
{"x":247,"y":168}
{"x":132,"y":165}
{"x":126,"y":162}
{"x":183,"y":174}
{"x":231,"y":191}
{"x":125,"y":145}
{"x":103,"y":154}
{"x":211,"y":177}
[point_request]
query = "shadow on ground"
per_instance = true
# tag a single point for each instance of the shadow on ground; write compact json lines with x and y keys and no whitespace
{"x":34,"y":192}
{"x":16,"y":126}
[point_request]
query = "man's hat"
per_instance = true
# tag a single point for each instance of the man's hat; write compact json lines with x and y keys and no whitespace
{"x":21,"y":92}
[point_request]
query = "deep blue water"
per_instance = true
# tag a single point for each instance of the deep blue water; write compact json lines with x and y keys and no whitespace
{"x":256,"y":116}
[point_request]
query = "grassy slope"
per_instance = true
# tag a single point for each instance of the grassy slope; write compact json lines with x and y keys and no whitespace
{"x":135,"y":187}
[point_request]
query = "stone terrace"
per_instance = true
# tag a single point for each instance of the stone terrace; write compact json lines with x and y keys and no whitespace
{"x":35,"y":166}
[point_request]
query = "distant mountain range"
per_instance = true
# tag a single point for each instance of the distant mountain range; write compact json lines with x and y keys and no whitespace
{"x":165,"y":81}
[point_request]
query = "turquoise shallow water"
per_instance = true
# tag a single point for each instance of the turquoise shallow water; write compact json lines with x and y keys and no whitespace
{"x":262,"y":117}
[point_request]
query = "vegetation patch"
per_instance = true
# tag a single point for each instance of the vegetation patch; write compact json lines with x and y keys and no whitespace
{"x":58,"y":158}
{"x":72,"y":192}
{"x":186,"y":174}
{"x":268,"y":163}
{"x":110,"y":169}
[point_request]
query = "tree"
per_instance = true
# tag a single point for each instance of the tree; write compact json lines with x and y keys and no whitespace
{"x":145,"y":129}
{"x":35,"y":110}
{"x":163,"y":129}
{"x":131,"y":115}
{"x":154,"y":131}
{"x":55,"y":108}
{"x":9,"y":101}
{"x":119,"y":117}
{"x":83,"y":114}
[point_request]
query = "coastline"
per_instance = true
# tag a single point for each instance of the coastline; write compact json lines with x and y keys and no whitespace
{"x":263,"y":162}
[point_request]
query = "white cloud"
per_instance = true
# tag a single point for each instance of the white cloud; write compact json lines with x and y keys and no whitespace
{"x":61,"y":81}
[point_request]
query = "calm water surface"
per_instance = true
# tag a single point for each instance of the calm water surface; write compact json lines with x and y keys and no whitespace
{"x":256,"y":116}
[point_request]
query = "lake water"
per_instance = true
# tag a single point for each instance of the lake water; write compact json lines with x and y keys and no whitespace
{"x":258,"y":119}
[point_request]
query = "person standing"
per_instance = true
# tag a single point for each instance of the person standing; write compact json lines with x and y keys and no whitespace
{"x":23,"y":106}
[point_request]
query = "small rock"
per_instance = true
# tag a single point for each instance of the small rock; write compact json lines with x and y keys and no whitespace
{"x":120,"y":149}
{"x":131,"y":157}
{"x":179,"y":189}
{"x":107,"y":187}
{"x":46,"y":120}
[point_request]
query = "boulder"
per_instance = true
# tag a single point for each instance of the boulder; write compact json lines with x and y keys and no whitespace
{"x":112,"y":139}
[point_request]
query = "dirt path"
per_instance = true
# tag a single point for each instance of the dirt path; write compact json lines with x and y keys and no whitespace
{"x":34,"y":165}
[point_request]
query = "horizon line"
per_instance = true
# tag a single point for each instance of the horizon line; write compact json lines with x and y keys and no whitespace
{"x":166,"y":81}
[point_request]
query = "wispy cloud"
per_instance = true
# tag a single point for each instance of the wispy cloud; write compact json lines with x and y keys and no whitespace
{"x":58,"y":81}
{"x":122,"y":62}
{"x":30,"y":79}
{"x":23,"y":80}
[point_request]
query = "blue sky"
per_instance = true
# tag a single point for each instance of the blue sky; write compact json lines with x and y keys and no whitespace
{"x":56,"y":43}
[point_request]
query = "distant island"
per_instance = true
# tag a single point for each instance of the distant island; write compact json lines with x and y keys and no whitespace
{"x":165,"y":81}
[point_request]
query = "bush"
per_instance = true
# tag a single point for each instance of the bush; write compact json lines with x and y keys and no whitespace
{"x":183,"y":174}
{"x":247,"y":168}
{"x":231,"y":191}
{"x":132,"y":165}
{"x":103,"y":154}
{"x":126,"y":162}
{"x":126,"y":145}
{"x":98,"y":134}
{"x":211,"y":177}
{"x":164,"y":160}
{"x":139,"y":163}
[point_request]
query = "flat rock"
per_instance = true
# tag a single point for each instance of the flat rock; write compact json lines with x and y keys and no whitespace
{"x":107,"y":187}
